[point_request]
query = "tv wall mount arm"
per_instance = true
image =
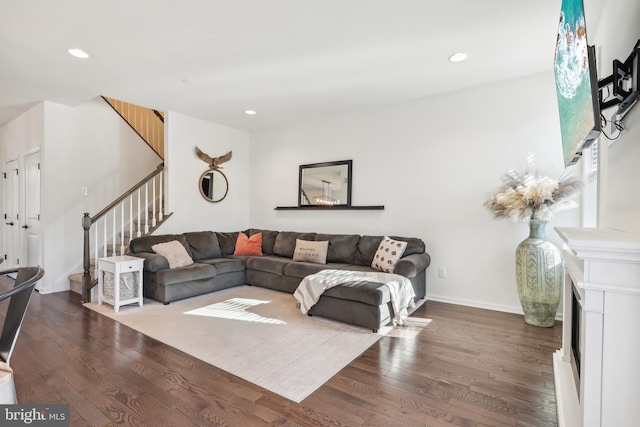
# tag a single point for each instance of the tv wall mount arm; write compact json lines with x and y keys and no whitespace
{"x":624,"y":92}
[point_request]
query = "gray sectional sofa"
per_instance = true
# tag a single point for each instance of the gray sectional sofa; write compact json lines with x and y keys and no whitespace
{"x":365,"y":304}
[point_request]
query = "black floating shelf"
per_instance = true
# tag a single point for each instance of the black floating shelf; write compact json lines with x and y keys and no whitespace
{"x":330,"y":208}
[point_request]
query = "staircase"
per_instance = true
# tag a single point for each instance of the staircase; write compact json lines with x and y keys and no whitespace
{"x":137,"y":212}
{"x":147,"y":123}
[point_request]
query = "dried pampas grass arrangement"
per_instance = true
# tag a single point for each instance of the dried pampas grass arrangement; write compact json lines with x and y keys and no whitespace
{"x":526,"y":195}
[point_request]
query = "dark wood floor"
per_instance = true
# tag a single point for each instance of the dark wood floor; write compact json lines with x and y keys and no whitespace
{"x":467,"y":367}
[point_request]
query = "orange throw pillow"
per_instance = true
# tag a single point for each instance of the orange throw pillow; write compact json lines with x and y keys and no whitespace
{"x":249,"y":245}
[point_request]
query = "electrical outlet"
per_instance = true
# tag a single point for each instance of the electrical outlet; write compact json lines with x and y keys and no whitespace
{"x":442,"y":272}
{"x":84,"y":191}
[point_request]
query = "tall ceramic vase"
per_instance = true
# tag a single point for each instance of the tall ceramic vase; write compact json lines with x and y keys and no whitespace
{"x":539,"y":275}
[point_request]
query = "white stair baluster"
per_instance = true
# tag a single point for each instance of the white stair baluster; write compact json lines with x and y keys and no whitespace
{"x":139,"y":212}
{"x":104,"y":242}
{"x":122,"y":227}
{"x":113,"y":233}
{"x":130,"y":218}
{"x":146,"y":208}
{"x":160,"y":201}
{"x":96,"y":252}
{"x":153,"y":202}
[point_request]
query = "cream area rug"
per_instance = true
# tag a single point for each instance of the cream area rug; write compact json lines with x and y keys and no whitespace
{"x":254,"y":333}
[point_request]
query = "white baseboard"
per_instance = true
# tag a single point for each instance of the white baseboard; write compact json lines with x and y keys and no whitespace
{"x":476,"y":304}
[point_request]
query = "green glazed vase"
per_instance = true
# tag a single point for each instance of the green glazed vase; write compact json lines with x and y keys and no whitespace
{"x":539,"y":275}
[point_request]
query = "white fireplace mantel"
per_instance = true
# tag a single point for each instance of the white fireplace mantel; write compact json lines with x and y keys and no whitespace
{"x":604,"y":265}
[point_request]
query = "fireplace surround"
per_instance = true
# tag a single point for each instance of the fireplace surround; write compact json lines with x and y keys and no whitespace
{"x":596,"y":371}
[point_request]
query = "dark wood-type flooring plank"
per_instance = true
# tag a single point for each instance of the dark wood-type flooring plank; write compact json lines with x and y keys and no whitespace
{"x":461,"y":367}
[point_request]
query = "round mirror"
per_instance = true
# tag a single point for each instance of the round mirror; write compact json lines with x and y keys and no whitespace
{"x":213,"y":185}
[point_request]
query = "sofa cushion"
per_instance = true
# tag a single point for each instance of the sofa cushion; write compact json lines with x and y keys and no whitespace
{"x":268,"y":239}
{"x":268,"y":280}
{"x":227,"y":242}
{"x":356,"y":267}
{"x":368,"y":245}
{"x":203,"y":245}
{"x":414,"y":245}
{"x":303,"y":269}
{"x":309,"y":251}
{"x":174,"y":252}
{"x":195,"y":271}
{"x":246,"y":245}
{"x":285,"y":242}
{"x":342,"y":247}
{"x":410,"y":265}
{"x":143,"y":244}
{"x":388,"y":254}
{"x":226,"y":265}
{"x":269,"y":264}
{"x":371,"y":293}
{"x":153,"y":262}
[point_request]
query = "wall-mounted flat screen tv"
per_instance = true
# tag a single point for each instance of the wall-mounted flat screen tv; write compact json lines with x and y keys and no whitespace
{"x":576,"y":83}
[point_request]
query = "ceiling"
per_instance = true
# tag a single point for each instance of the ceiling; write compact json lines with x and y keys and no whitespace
{"x":289,"y":60}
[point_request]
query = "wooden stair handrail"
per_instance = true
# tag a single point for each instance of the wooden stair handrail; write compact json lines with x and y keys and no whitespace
{"x":113,"y":204}
{"x":159,"y":115}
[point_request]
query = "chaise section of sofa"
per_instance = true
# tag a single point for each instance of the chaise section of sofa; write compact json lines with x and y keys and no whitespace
{"x":214,"y":267}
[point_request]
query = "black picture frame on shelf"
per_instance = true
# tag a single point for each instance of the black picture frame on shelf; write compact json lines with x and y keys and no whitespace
{"x":325,"y":184}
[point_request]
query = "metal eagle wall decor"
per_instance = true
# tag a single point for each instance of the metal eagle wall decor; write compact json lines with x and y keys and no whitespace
{"x":213,"y":162}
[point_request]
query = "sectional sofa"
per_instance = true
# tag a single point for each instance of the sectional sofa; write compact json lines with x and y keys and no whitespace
{"x":215,"y":267}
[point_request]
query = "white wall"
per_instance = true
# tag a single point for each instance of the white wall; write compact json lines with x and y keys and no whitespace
{"x":431,"y":162}
{"x":615,"y":34}
{"x":191,"y":212}
{"x":84,"y":146}
{"x":23,"y":135}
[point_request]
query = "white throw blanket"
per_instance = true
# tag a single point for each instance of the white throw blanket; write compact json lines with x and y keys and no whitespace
{"x":400,"y":289}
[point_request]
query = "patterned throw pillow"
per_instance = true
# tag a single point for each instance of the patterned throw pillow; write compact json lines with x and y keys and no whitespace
{"x":311,"y":251}
{"x":388,"y":254}
{"x":249,"y":245}
{"x":174,"y":252}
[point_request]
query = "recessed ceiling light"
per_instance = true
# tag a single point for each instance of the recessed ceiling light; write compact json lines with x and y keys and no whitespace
{"x":250,"y":112}
{"x":458,"y":57}
{"x":79,"y":53}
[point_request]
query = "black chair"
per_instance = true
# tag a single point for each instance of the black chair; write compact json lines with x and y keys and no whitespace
{"x":19,"y":297}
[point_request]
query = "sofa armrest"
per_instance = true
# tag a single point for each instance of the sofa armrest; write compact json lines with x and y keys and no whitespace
{"x":152,"y":261}
{"x":411,"y":265}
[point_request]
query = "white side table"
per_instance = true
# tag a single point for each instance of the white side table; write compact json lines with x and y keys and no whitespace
{"x":118,"y":265}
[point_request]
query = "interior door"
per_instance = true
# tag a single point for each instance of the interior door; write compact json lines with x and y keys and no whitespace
{"x":31,"y":223}
{"x":11,"y":215}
